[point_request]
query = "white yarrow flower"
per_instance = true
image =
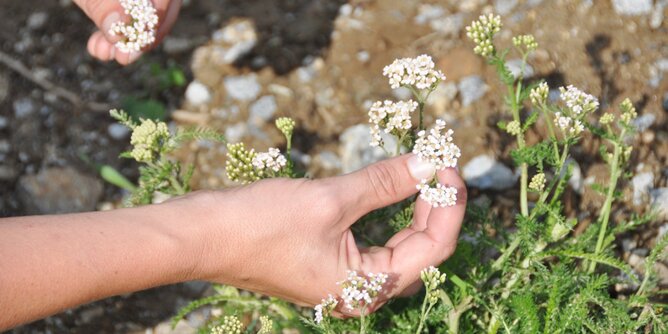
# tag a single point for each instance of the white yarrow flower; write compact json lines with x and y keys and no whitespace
{"x":359,"y":291}
{"x":325,"y":308}
{"x":390,"y":116}
{"x":436,"y":146}
{"x":418,"y":72}
{"x":439,"y":196}
{"x":271,"y":160}
{"x":140,"y":32}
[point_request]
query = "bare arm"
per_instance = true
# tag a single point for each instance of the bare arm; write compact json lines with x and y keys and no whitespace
{"x":285,"y":238}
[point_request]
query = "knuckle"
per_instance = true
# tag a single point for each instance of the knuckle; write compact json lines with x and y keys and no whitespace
{"x":330,"y":204}
{"x":92,"y":6}
{"x":383,"y":179}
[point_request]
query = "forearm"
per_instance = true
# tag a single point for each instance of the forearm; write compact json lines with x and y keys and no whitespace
{"x":49,"y":263}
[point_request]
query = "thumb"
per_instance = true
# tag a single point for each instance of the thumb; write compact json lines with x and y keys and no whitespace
{"x":382,"y":183}
{"x":103,"y":13}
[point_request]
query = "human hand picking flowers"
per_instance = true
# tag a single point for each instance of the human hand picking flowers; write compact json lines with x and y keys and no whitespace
{"x":127,"y":28}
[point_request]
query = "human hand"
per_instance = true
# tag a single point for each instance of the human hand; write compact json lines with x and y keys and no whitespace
{"x":292,"y":238}
{"x":105,"y":12}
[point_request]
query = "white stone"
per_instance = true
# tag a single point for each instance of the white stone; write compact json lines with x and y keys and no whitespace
{"x":242,"y":88}
{"x":235,"y":132}
{"x":3,"y":122}
{"x":329,"y":160}
{"x":644,"y":122}
{"x":355,"y":150}
{"x":198,"y":94}
{"x":515,"y":67}
{"x":118,"y":131}
{"x":660,"y":202}
{"x":263,"y":109}
{"x":37,"y":20}
{"x":24,"y":107}
{"x":632,"y":7}
{"x":450,"y":25}
{"x":484,"y":172}
{"x":504,"y":7}
{"x":428,"y":13}
{"x":471,"y":89}
{"x":642,"y":184}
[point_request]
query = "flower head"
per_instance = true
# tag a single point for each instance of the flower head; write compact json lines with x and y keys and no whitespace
{"x":607,"y":118}
{"x":628,"y":111}
{"x":140,"y":32}
{"x":286,"y":125}
{"x":230,"y":325}
{"x":578,"y":105}
{"x":147,"y":138}
{"x":360,"y":291}
{"x":528,"y":42}
{"x":266,"y":325}
{"x":432,"y":278}
{"x":537,"y":182}
{"x":482,"y":32}
{"x":436,"y":146}
{"x":438,"y":196}
{"x":392,"y":117}
{"x":325,"y":308}
{"x":418,"y":72}
{"x":539,"y":94}
{"x":239,"y":165}
{"x":514,"y":128}
{"x":272,"y":160}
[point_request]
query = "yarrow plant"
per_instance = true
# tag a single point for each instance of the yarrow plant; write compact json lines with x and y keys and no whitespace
{"x":140,"y":31}
{"x":534,"y":274}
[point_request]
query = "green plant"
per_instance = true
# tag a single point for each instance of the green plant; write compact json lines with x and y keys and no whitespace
{"x":536,"y":277}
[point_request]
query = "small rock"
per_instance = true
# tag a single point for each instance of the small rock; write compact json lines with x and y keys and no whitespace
{"x":3,"y":122}
{"x":660,"y":201}
{"x":5,"y":146}
{"x":235,"y":132}
{"x":504,"y":7}
{"x":656,"y":19}
{"x":182,"y":327}
{"x":632,"y":7}
{"x":7,"y":173}
{"x":243,"y":88}
{"x":471,"y":89}
{"x":484,"y":172}
{"x":628,"y":245}
{"x":665,"y":102}
{"x":237,"y":39}
{"x":643,"y":252}
{"x":118,"y":131}
{"x":515,"y":67}
{"x":4,"y":86}
{"x":197,"y":93}
{"x":576,"y":181}
{"x":642,"y":184}
{"x":37,"y":20}
{"x":450,"y":25}
{"x":355,"y":150}
{"x":427,"y":13}
{"x":58,"y":190}
{"x":263,"y":110}
{"x":176,"y":45}
{"x":363,"y":56}
{"x":89,"y":315}
{"x":24,"y":107}
{"x":329,"y":160}
{"x":644,"y":122}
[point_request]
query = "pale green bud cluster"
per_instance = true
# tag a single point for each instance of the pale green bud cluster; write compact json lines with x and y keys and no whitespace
{"x":286,"y":125}
{"x":607,"y":118}
{"x":560,"y":230}
{"x":266,"y":325}
{"x":432,"y":278}
{"x":537,"y":182}
{"x":239,"y":166}
{"x":147,"y":139}
{"x":539,"y":94}
{"x":527,"y":41}
{"x":628,"y":111}
{"x":482,"y":31}
{"x":514,"y":128}
{"x":231,"y":325}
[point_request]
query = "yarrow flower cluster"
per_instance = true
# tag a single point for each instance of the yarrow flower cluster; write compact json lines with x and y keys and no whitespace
{"x":539,"y":94}
{"x":418,"y":72}
{"x":432,"y":278}
{"x":514,"y":128}
{"x":439,"y":196}
{"x":578,"y":104}
{"x":325,"y":308}
{"x":147,"y":138}
{"x":286,"y":125}
{"x":537,"y":182}
{"x":239,"y":165}
{"x":391,"y":116}
{"x":436,"y":146}
{"x":482,"y":32}
{"x":526,"y":41}
{"x":266,"y":325}
{"x":628,"y":111}
{"x":230,"y":325}
{"x":140,"y":32}
{"x":359,"y":291}
{"x":272,"y":160}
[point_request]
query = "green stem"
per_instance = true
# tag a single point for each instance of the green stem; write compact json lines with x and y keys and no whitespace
{"x":423,"y":313}
{"x":604,"y":214}
{"x":524,"y":168}
{"x":362,"y":322}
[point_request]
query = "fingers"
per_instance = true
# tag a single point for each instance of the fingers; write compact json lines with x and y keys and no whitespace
{"x":381,"y":184}
{"x":103,"y":13}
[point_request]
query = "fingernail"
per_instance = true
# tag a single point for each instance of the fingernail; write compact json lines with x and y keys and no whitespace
{"x":109,"y":21}
{"x":420,"y":169}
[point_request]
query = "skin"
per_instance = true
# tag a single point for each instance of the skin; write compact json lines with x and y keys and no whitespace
{"x":295,"y":246}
